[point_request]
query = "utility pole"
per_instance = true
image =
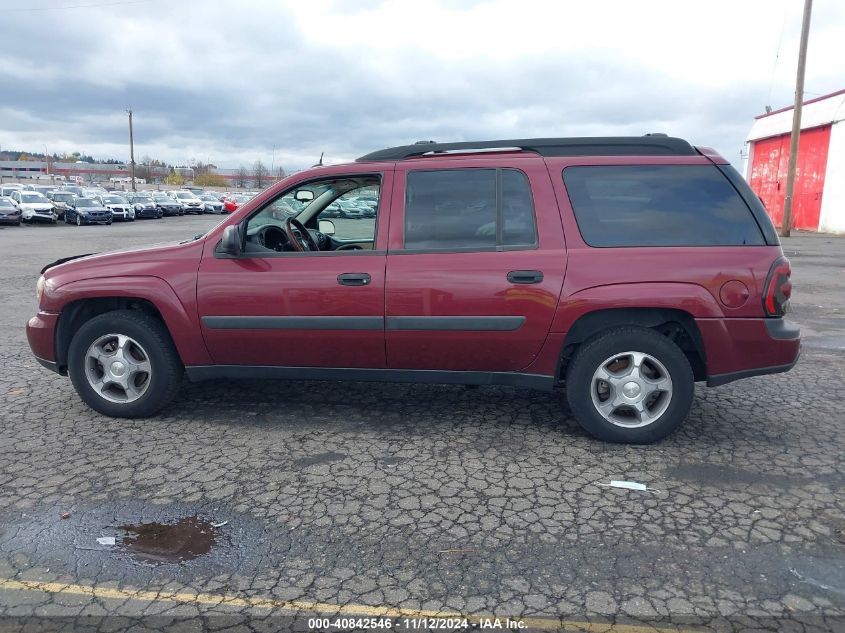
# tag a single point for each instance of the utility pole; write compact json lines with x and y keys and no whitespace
{"x":786,"y":224}
{"x":131,"y":152}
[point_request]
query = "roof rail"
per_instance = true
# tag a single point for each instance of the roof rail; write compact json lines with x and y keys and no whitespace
{"x":650,"y":145}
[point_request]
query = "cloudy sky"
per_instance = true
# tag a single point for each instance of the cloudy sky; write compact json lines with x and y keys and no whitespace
{"x":234,"y":81}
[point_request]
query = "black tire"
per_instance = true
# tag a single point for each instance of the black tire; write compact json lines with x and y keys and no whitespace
{"x":590,"y":356}
{"x":166,"y":368}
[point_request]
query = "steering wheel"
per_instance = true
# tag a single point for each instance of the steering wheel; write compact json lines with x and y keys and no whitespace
{"x":302,"y":243}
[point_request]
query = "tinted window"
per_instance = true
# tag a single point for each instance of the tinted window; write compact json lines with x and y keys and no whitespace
{"x":658,"y":205}
{"x":459,"y":209}
{"x":517,"y":209}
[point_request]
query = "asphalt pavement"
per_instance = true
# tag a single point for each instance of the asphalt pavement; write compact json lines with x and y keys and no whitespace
{"x":407,"y":502}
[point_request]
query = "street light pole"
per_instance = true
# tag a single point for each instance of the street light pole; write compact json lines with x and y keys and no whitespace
{"x":131,"y":152}
{"x":786,"y":224}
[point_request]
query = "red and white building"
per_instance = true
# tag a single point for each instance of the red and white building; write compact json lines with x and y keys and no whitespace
{"x":819,"y":198}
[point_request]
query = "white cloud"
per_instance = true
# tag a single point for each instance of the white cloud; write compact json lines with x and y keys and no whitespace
{"x":232,"y":80}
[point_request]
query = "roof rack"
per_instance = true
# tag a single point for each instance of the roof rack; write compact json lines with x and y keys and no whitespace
{"x":649,"y":145}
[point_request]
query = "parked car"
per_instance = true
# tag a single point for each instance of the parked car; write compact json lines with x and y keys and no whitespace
{"x":6,"y":190}
{"x":211,"y":204}
{"x":190,"y":203}
{"x":119,"y":207}
{"x":60,"y":200}
{"x":9,"y":213}
{"x":670,"y":273}
{"x":167,"y":204}
{"x":74,"y":189}
{"x":33,"y":206}
{"x":145,"y":207}
{"x":232,"y":203}
{"x":82,"y":211}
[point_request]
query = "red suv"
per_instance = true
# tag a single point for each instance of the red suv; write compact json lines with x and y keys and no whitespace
{"x":626,"y":269}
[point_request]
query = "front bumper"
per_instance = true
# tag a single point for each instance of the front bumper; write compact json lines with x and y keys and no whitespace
{"x":41,"y":334}
{"x":8,"y":218}
{"x":44,"y":214}
{"x":99,"y":218}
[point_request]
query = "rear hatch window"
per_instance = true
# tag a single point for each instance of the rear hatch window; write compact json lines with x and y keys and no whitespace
{"x":659,"y":205}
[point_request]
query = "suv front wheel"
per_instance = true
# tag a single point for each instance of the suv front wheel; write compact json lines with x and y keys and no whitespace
{"x":123,"y":364}
{"x":630,"y":385}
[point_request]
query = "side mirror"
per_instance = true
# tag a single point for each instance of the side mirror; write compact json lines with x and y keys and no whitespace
{"x":231,"y":243}
{"x":326,"y":227}
{"x":304,"y":195}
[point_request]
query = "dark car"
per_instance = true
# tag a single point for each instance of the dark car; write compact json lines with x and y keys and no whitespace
{"x":60,"y":200}
{"x":168,"y":205}
{"x":624,"y":270}
{"x":9,"y":213}
{"x":87,"y":211}
{"x":145,"y":207}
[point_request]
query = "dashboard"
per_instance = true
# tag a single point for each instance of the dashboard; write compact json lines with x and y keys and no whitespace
{"x":272,"y":237}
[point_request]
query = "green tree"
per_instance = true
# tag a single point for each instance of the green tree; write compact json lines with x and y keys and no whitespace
{"x":174,"y":178}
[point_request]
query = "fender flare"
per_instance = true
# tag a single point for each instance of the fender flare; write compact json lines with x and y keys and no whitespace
{"x":690,"y":298}
{"x":183,"y":327}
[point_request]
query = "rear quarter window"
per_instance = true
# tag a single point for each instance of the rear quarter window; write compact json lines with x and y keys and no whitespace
{"x":659,"y":205}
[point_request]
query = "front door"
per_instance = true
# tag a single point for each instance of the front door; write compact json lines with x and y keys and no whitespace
{"x":468,"y":287}
{"x":279,"y":307}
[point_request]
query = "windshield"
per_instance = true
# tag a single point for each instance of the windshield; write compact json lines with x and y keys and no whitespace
{"x":114,"y":200}
{"x":63,"y":197}
{"x":86,"y":202}
{"x":186,"y":195}
{"x":6,"y":203}
{"x":32,"y":197}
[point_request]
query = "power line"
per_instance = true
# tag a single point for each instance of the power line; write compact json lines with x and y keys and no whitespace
{"x":77,"y":6}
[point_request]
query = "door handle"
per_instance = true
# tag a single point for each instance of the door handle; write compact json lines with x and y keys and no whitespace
{"x":525,"y":276}
{"x":354,"y":279}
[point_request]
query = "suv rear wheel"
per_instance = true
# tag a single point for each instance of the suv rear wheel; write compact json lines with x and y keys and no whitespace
{"x":630,"y":385}
{"x":123,"y":364}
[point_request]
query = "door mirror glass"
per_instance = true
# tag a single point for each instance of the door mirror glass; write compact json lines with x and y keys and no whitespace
{"x":326,"y":227}
{"x":304,"y":195}
{"x":231,"y":243}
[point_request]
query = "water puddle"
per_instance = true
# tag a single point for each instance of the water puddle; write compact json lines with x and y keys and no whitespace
{"x":183,"y":540}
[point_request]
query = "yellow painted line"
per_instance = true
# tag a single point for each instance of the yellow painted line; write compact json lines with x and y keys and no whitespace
{"x":363,"y":610}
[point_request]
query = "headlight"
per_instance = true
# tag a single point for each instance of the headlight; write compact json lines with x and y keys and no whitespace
{"x":39,"y":288}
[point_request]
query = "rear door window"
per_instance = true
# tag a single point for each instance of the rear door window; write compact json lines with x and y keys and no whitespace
{"x":659,"y":205}
{"x":468,"y":209}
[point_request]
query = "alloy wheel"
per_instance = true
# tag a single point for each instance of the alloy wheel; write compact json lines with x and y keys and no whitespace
{"x":118,"y":368}
{"x":631,"y":389}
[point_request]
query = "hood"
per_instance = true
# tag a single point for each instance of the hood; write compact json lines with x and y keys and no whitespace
{"x":36,"y":205}
{"x":148,"y":261}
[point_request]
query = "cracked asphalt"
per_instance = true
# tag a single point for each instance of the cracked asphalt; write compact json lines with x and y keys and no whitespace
{"x":401,"y":501}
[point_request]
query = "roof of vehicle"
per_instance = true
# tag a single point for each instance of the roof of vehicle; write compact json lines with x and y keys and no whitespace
{"x":649,"y":145}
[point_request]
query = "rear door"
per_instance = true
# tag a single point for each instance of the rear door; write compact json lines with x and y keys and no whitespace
{"x":475,"y":264}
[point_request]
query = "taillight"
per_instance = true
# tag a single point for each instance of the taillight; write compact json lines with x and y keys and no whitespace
{"x":778,"y":288}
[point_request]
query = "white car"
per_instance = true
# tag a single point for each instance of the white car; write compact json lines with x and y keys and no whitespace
{"x":33,"y":206}
{"x":119,"y":207}
{"x":6,"y":190}
{"x":190,"y":203}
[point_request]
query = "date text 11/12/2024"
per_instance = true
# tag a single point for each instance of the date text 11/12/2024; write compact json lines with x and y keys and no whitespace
{"x":420,"y":624}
